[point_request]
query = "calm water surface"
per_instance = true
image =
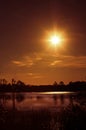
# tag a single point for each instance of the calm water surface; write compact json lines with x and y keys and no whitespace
{"x":26,"y":101}
{"x":43,"y":111}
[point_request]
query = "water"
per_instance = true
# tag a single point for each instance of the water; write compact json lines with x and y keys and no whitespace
{"x":54,"y":110}
{"x":26,"y":101}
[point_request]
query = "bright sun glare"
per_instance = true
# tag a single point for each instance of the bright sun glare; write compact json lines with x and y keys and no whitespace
{"x":55,"y":39}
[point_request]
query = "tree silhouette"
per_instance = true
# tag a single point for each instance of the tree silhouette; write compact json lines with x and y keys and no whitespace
{"x":55,"y":83}
{"x":1,"y":81}
{"x":4,"y":81}
{"x":20,"y":83}
{"x":13,"y":81}
{"x":61,"y":83}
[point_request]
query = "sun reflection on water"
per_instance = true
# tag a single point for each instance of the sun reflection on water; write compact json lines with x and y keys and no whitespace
{"x":56,"y":93}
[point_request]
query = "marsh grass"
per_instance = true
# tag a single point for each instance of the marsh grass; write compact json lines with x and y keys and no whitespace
{"x":70,"y":118}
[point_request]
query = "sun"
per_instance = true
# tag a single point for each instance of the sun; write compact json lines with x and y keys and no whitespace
{"x":55,"y":40}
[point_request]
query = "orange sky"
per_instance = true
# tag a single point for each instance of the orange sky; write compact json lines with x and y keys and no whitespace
{"x":24,"y":52}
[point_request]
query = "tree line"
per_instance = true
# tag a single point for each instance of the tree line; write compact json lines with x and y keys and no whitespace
{"x":20,"y":86}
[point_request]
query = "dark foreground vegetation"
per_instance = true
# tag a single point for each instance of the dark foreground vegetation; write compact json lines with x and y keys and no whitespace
{"x":19,"y":86}
{"x":70,"y":118}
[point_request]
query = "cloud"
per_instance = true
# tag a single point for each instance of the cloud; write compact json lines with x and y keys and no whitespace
{"x":55,"y":62}
{"x":42,"y":60}
{"x":34,"y":75}
{"x":24,"y":62}
{"x":30,"y":74}
{"x":70,"y":61}
{"x":18,"y":63}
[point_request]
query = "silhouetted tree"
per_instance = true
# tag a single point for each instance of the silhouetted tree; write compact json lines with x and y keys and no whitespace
{"x":70,"y":83}
{"x":4,"y":81}
{"x":61,"y":83}
{"x":1,"y":81}
{"x":55,"y":83}
{"x":13,"y":81}
{"x":20,"y":83}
